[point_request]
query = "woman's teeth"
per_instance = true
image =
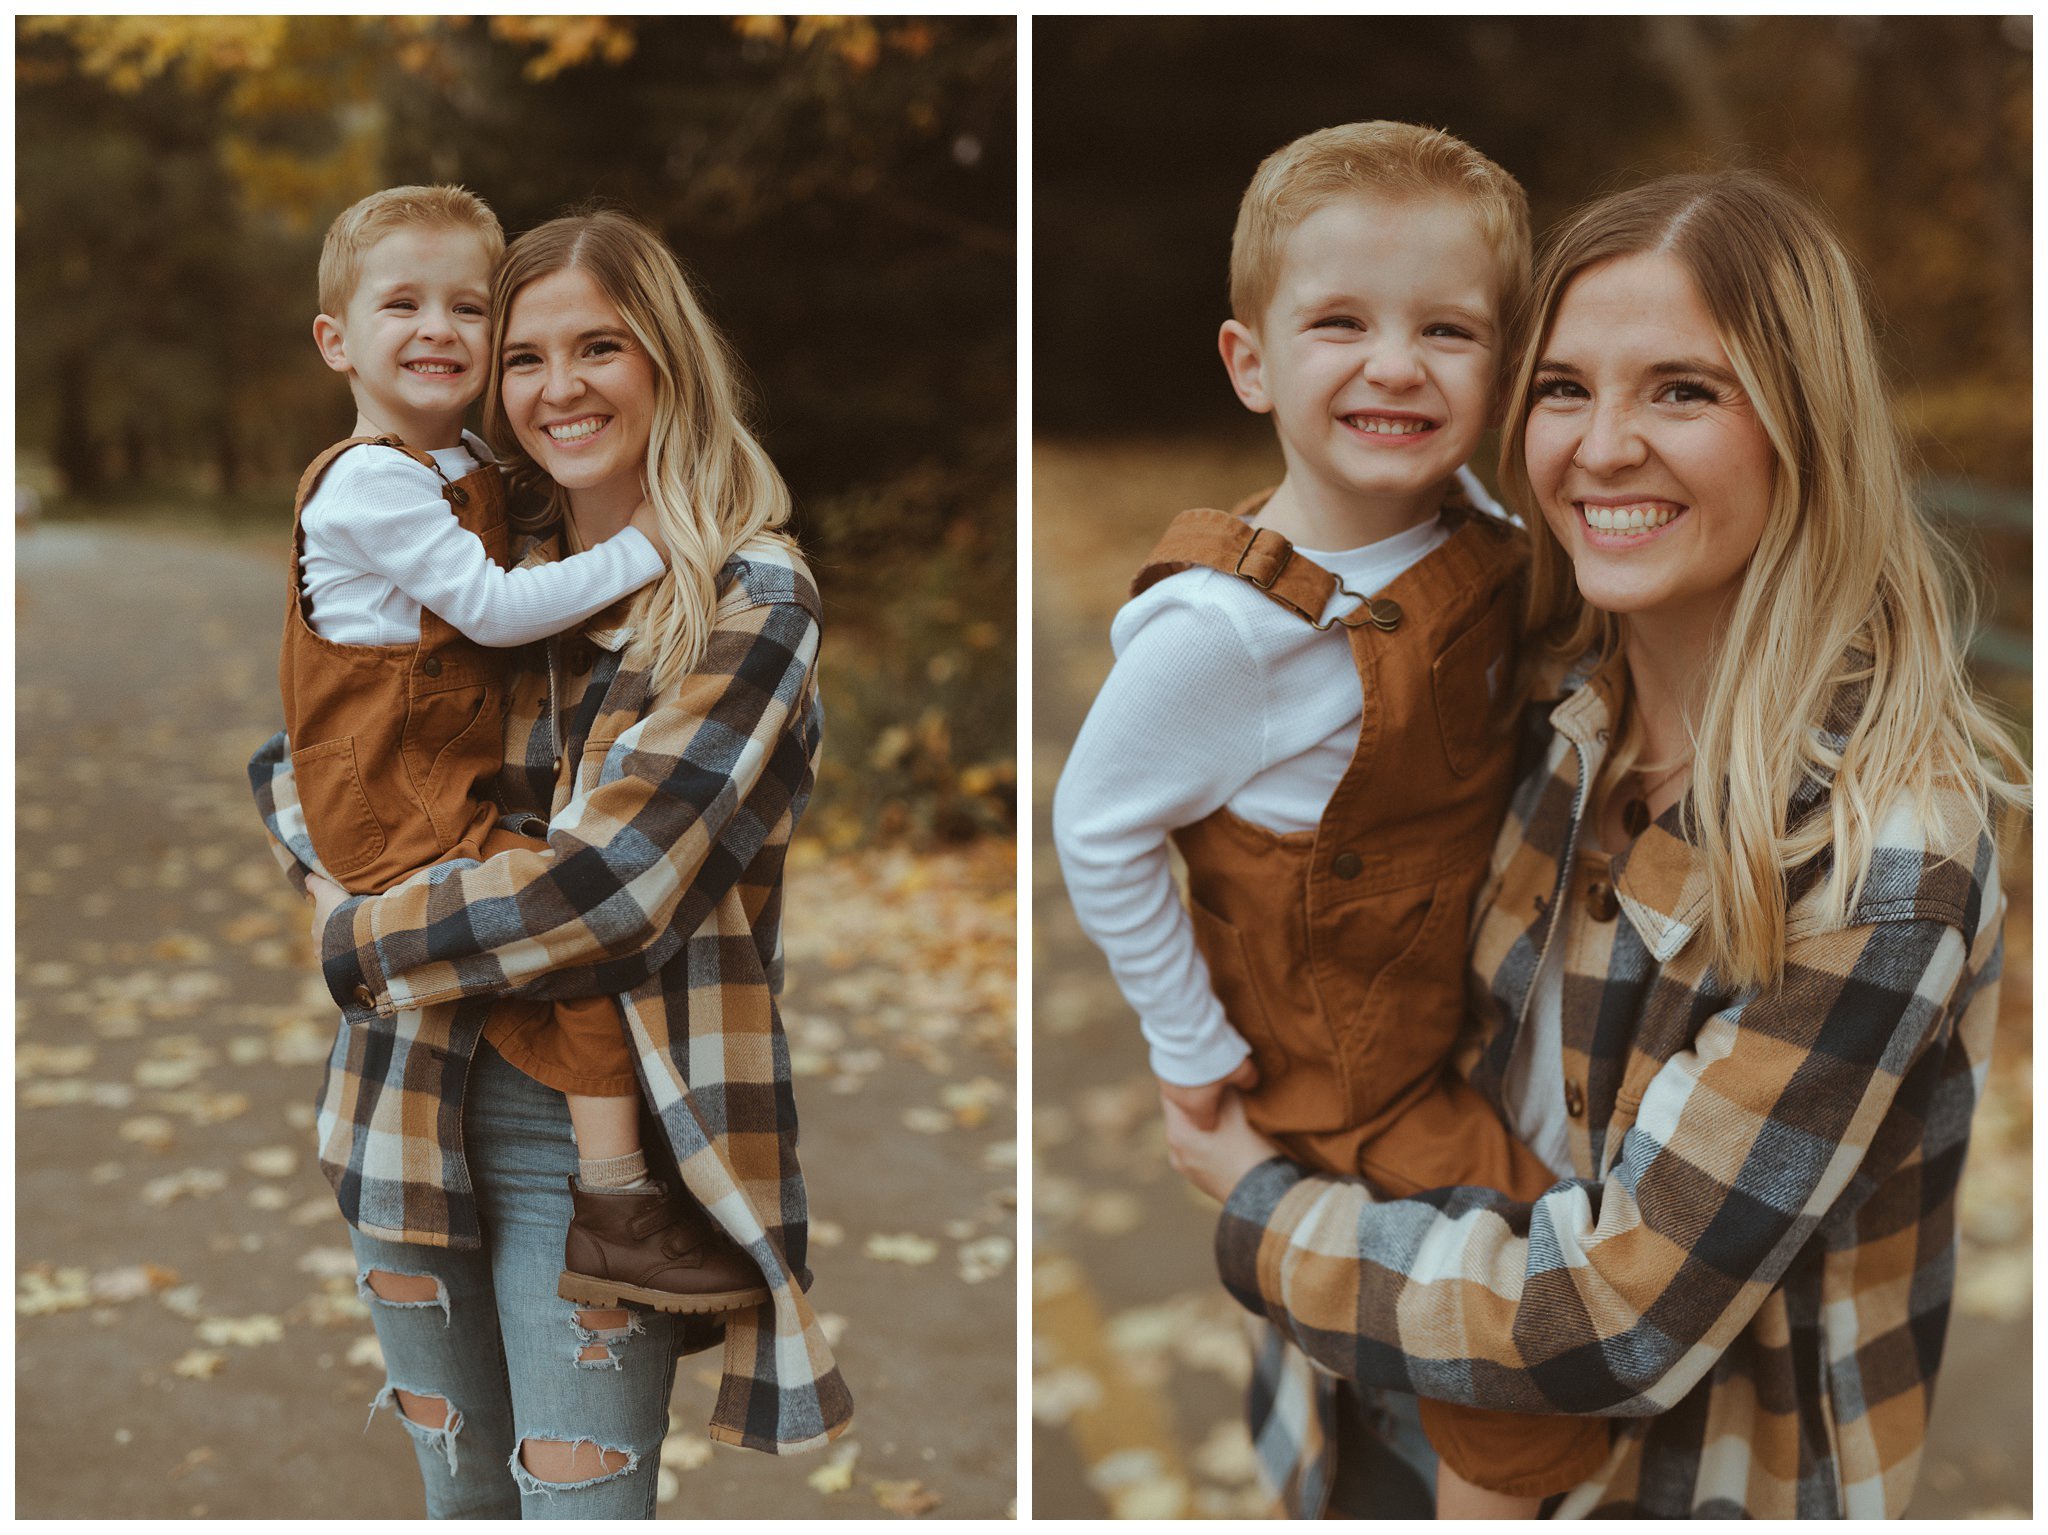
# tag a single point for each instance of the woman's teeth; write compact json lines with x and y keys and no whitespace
{"x":1382,"y":427}
{"x":1628,"y":519}
{"x":576,"y":431}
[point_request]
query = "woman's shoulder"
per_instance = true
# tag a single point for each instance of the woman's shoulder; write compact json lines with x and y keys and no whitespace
{"x":1933,"y":858}
{"x":765,"y":571}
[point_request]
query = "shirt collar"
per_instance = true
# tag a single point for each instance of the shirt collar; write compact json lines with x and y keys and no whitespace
{"x":1660,"y":879}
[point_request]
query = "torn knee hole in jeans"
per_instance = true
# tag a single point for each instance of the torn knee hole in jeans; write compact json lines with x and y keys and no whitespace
{"x":403,"y":1292}
{"x":596,"y":1334}
{"x":549,"y":1464}
{"x":430,"y":1418}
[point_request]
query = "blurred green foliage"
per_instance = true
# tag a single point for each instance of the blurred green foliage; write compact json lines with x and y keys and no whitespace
{"x":841,"y":188}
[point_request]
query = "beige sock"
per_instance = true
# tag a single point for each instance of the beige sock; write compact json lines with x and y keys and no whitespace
{"x":614,"y":1173}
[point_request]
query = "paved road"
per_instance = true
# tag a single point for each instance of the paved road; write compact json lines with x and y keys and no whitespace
{"x":1138,"y":1356}
{"x":188,"y":1341}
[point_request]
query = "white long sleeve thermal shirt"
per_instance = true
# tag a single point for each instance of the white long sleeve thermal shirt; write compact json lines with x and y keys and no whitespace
{"x":379,"y":543}
{"x":1218,"y":697}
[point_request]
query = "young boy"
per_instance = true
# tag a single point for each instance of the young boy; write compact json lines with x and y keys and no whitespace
{"x":1306,"y":700}
{"x":392,"y":701}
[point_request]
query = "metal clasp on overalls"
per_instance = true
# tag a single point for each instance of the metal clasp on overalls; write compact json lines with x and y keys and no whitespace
{"x":1383,"y":613}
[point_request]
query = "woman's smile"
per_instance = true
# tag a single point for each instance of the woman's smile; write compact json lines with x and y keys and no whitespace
{"x":1627,"y":521}
{"x":578,"y":432}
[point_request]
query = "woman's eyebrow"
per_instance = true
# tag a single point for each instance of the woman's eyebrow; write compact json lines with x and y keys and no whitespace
{"x":1687,"y":367}
{"x":605,"y":331}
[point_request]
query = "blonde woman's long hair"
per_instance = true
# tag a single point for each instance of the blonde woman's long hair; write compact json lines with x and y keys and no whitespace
{"x":1849,"y":587}
{"x":712,"y":486}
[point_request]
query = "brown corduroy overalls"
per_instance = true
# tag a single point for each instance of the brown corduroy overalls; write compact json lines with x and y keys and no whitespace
{"x":394,"y":749}
{"x":1339,"y":953}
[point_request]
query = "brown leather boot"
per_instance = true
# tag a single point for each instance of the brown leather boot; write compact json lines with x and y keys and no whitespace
{"x":648,"y":1246}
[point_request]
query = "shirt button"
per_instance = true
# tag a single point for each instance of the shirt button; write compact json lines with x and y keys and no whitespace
{"x":1601,"y":902}
{"x":581,"y":656}
{"x":365,"y":997}
{"x":1346,"y":865}
{"x":1574,"y":1100}
{"x":558,"y":767}
{"x":431,"y":666}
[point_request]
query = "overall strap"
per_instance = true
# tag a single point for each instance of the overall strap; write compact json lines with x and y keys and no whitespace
{"x":318,"y":467}
{"x":1223,"y":542}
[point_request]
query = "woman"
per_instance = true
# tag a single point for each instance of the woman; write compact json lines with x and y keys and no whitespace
{"x":1756,"y":1085}
{"x":665,"y":754}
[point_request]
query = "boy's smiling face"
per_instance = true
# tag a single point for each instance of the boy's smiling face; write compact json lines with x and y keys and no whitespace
{"x":1377,"y":357}
{"x":414,"y":337}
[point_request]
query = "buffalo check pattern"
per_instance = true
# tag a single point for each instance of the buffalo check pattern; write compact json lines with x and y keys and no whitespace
{"x":667,"y":826}
{"x":1752,"y":1268}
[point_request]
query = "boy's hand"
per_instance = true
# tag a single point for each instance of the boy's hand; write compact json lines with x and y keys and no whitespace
{"x":1201,"y":1103}
{"x":647,"y":521}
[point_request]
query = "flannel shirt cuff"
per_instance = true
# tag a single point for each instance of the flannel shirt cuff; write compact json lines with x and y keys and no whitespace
{"x":341,"y":960}
{"x":1241,"y":1232}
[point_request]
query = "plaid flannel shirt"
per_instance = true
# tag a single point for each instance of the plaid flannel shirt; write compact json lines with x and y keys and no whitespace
{"x":662,"y":884}
{"x":1751,"y":1271}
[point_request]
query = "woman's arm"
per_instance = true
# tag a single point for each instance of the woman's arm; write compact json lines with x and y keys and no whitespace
{"x":1616,"y":1296}
{"x":634,"y":863}
{"x":277,"y":801}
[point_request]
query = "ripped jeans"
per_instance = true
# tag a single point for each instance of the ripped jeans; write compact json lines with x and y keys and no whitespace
{"x":511,"y":1360}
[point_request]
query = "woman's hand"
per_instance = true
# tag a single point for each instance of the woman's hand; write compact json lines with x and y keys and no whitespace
{"x":326,"y":896}
{"x":1214,"y":1160}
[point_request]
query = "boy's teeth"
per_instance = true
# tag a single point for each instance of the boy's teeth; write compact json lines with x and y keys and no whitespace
{"x":433,"y":367}
{"x":575,"y":431}
{"x":1381,"y":426}
{"x":1628,"y":519}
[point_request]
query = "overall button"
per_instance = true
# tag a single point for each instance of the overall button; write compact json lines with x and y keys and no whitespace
{"x":1346,"y":865}
{"x":431,"y":666}
{"x":1384,"y":612}
{"x":1574,"y":1100}
{"x":1601,"y":902}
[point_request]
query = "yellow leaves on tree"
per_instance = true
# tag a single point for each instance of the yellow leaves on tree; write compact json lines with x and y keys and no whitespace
{"x":857,"y":40}
{"x":129,"y":51}
{"x":566,"y":41}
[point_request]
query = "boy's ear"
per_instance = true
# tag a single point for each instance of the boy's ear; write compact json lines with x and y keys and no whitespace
{"x":327,"y":336}
{"x":1239,"y":345}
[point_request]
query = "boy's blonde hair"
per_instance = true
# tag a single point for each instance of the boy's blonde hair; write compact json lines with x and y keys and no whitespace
{"x":363,"y":225}
{"x":1849,"y":589}
{"x":1383,"y":158}
{"x":713,"y":487}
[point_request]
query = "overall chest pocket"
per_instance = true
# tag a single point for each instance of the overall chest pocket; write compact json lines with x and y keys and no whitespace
{"x":1470,"y":680}
{"x":452,"y":744}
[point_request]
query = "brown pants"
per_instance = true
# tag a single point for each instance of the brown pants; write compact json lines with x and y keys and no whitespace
{"x":574,"y":1045}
